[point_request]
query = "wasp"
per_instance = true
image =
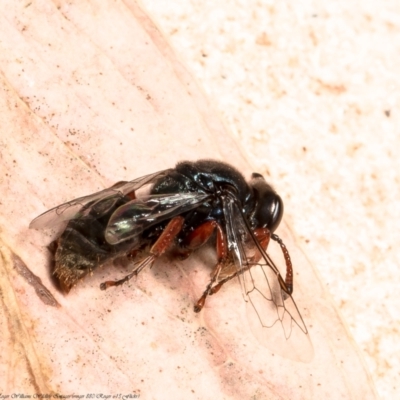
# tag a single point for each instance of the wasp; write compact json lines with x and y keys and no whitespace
{"x":183,"y":208}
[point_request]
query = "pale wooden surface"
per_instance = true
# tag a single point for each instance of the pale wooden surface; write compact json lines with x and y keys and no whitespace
{"x":89,"y":98}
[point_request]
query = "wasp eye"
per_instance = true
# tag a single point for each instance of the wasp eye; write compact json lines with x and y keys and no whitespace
{"x":268,"y":210}
{"x":276,"y":213}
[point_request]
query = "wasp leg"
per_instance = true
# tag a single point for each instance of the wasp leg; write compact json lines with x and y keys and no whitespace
{"x":164,"y":241}
{"x":288,"y":261}
{"x":218,"y":286}
{"x":194,"y":240}
{"x":147,"y":261}
{"x":263,"y":235}
{"x":199,"y":237}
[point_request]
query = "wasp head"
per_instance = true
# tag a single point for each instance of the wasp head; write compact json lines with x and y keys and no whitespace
{"x":268,"y":206}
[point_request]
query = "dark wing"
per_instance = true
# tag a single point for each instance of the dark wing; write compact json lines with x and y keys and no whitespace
{"x":76,"y":208}
{"x":273,"y":315}
{"x":132,"y":218}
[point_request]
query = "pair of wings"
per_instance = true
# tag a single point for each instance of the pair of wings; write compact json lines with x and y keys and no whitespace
{"x":129,"y":220}
{"x":272,"y":313}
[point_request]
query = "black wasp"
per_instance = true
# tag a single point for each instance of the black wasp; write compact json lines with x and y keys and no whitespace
{"x":183,"y":207}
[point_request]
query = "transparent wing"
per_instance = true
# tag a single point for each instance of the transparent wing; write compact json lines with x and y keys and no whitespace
{"x":273,"y":315}
{"x":76,"y":208}
{"x":134,"y":217}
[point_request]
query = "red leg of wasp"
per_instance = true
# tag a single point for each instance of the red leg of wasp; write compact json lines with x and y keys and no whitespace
{"x":164,"y":241}
{"x":147,"y":261}
{"x":199,"y":237}
{"x":263,"y":235}
{"x":167,"y":237}
{"x":217,"y":287}
{"x":202,"y":234}
{"x":288,"y":261}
